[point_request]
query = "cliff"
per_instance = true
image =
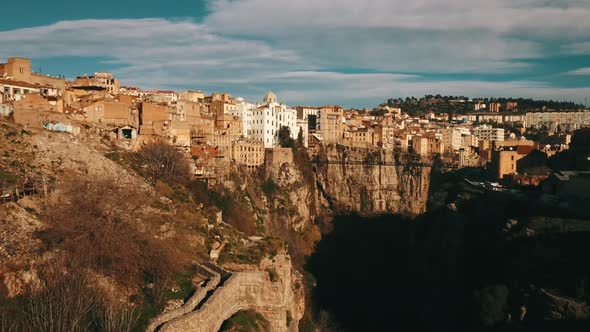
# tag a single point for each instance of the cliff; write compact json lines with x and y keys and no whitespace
{"x":371,"y":181}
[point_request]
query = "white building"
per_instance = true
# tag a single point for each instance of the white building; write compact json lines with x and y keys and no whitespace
{"x":451,"y":139}
{"x":269,"y":117}
{"x":245,"y":111}
{"x":489,"y":133}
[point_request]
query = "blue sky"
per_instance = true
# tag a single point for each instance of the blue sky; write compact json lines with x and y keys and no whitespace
{"x":347,"y":52}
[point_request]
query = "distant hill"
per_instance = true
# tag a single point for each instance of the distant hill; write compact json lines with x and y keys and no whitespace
{"x":462,"y":104}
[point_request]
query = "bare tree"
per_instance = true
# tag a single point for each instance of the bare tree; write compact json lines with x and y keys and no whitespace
{"x":63,"y":303}
{"x":112,"y":318}
{"x":96,"y":223}
{"x":160,"y":161}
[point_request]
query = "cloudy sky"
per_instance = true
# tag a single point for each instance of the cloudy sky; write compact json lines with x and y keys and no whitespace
{"x":348,"y":52}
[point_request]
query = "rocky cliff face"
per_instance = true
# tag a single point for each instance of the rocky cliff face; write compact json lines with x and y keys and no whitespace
{"x":370,"y":181}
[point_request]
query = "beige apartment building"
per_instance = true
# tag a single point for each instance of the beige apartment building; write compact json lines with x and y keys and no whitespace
{"x":426,"y":146}
{"x":505,"y":159}
{"x":249,"y":153}
{"x":331,"y":124}
{"x":220,"y":107}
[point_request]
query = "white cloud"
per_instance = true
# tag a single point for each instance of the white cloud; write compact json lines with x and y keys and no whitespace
{"x":369,"y":89}
{"x":301,"y":47}
{"x":580,"y":71}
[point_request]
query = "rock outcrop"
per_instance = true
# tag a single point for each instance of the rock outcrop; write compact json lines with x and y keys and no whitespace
{"x":372,"y":181}
{"x":273,"y":289}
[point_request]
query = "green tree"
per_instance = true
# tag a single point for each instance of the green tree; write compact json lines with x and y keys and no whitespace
{"x":285,"y":139}
{"x":300,"y":142}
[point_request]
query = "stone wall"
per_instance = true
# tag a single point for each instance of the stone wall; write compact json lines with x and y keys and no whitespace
{"x":249,"y":290}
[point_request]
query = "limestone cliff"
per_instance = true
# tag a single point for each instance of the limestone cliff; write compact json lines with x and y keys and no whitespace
{"x":372,"y":181}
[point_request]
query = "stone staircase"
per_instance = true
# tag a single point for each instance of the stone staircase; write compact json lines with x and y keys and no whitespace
{"x":226,"y":293}
{"x":215,"y":276}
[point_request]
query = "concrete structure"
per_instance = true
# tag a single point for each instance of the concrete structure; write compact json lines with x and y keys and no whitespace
{"x":489,"y":133}
{"x":571,"y":120}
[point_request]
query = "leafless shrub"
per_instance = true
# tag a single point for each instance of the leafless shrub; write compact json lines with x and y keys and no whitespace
{"x":8,"y":324}
{"x":160,"y":161}
{"x":112,"y":318}
{"x":97,"y":226}
{"x":63,"y":303}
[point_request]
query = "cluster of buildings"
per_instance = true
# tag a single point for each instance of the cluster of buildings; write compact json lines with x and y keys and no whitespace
{"x":218,"y":126}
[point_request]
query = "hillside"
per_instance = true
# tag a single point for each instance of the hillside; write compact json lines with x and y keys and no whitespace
{"x":130,"y":240}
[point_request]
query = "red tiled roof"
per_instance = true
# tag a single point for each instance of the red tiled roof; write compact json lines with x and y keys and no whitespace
{"x":21,"y":84}
{"x":524,"y":149}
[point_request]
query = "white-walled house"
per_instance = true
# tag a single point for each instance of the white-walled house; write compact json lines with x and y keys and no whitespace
{"x":269,"y":117}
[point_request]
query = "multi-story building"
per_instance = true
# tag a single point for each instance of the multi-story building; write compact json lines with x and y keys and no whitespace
{"x":19,"y":69}
{"x":551,"y":120}
{"x":426,"y":146}
{"x":468,"y":141}
{"x":489,"y":133}
{"x":269,"y":117}
{"x":15,"y":90}
{"x":330,"y":124}
{"x":190,"y":111}
{"x":219,"y":107}
{"x":248,"y":152}
{"x":505,"y":159}
{"x":451,"y":139}
{"x":494,"y":107}
{"x":100,"y":79}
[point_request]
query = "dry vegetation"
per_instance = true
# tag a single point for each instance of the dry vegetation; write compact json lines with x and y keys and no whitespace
{"x":97,"y":226}
{"x":65,"y":299}
{"x":160,"y":161}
